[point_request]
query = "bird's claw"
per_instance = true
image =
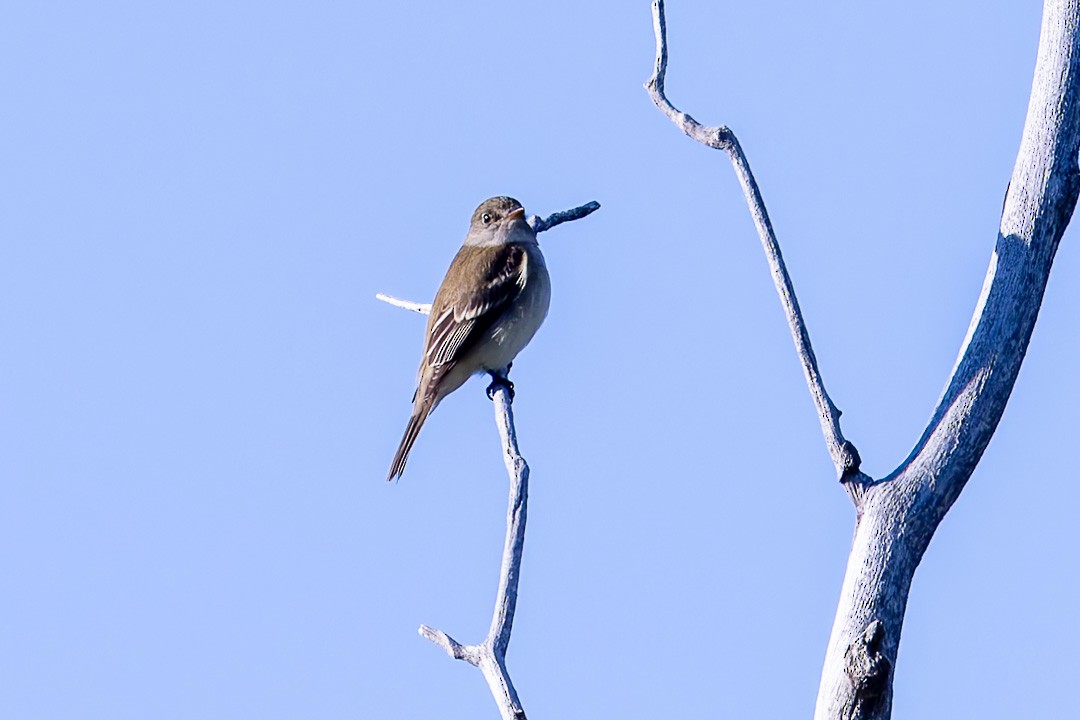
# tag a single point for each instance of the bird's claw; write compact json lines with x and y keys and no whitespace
{"x":500,"y":381}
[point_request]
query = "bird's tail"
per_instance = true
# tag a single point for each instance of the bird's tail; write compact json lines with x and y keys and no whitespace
{"x":397,"y":467}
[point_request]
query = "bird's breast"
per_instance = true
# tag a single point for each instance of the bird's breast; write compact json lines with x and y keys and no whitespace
{"x":513,"y":331}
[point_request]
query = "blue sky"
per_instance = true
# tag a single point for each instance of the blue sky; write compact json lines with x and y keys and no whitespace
{"x":201,"y":396}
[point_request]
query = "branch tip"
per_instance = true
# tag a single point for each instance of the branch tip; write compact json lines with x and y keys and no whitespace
{"x":540,"y":225}
{"x":422,"y":308}
{"x":468,"y":653}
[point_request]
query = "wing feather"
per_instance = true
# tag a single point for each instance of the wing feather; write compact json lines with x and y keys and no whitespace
{"x":484,"y":283}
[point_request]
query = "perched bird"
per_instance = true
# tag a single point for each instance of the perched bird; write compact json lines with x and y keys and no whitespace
{"x":489,"y":306}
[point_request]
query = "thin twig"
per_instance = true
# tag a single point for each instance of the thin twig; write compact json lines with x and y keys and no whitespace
{"x":453,"y":648}
{"x":844,"y":455}
{"x":540,"y":225}
{"x":422,"y":308}
{"x":490,"y":655}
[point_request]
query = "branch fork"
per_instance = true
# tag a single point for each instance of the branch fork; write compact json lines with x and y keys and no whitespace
{"x":898,"y":514}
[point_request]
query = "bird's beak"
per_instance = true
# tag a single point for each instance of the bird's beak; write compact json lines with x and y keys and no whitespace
{"x":519,"y":213}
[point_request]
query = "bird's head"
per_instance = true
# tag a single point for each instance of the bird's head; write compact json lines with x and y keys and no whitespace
{"x":498,"y":221}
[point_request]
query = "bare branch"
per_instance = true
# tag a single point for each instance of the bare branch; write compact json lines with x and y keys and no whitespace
{"x":540,"y":225}
{"x":490,"y":655}
{"x":844,"y":455}
{"x":422,"y":308}
{"x":453,"y":648}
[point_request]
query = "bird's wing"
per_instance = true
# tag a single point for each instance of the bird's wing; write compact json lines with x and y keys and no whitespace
{"x":485,"y":284}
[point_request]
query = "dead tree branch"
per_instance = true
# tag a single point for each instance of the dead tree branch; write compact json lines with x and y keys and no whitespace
{"x":844,"y":455}
{"x":900,"y":513}
{"x":490,"y":655}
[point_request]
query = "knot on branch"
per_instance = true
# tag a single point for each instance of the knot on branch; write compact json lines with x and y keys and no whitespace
{"x":868,"y":670}
{"x":521,"y":469}
{"x":850,"y":462}
{"x":725,"y":139}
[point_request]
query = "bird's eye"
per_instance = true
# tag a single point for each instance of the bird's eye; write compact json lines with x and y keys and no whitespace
{"x":486,"y":218}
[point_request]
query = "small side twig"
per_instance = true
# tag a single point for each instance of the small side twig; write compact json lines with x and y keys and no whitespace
{"x":453,"y":648}
{"x":539,"y":224}
{"x":422,"y":308}
{"x":844,"y":455}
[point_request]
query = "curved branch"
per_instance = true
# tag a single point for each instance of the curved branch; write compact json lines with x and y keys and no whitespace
{"x":490,"y":655}
{"x":844,"y":455}
{"x":1039,"y":202}
{"x":903,"y":510}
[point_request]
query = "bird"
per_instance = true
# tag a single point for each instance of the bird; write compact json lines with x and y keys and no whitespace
{"x":493,"y":299}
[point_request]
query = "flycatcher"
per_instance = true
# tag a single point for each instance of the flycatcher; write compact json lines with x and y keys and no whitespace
{"x":489,"y":306}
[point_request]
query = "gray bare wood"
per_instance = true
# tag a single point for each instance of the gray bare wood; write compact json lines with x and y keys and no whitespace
{"x":898,"y":514}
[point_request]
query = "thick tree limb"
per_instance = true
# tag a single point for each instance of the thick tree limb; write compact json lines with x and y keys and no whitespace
{"x":903,"y":510}
{"x":844,"y":455}
{"x":900,"y":513}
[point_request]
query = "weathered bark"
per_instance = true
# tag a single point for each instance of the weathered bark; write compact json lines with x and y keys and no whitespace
{"x":897,"y":515}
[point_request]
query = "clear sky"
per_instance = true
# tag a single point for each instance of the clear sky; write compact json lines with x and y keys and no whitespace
{"x":200,"y":396}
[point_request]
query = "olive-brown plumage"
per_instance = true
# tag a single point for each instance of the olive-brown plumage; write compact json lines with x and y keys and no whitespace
{"x":490,"y":304}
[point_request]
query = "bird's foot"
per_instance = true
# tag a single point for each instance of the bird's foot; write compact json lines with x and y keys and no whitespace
{"x":499,"y":379}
